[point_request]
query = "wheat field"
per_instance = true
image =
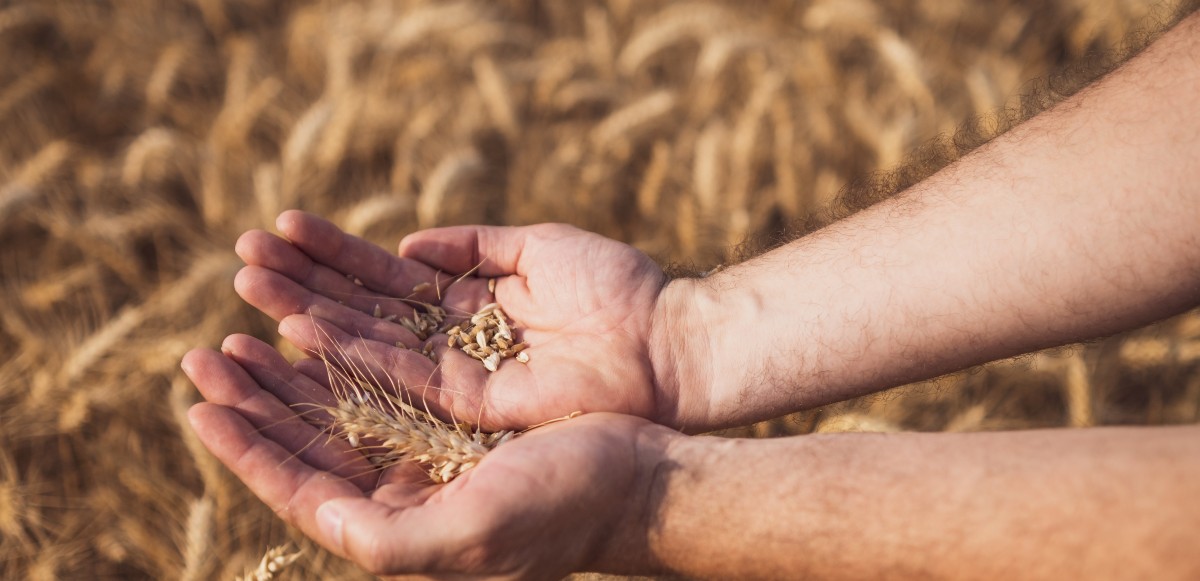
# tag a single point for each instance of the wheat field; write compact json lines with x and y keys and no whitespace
{"x":138,"y":138}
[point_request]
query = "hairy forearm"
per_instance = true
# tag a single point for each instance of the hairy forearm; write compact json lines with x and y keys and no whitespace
{"x":1086,"y":504}
{"x":1079,"y":223}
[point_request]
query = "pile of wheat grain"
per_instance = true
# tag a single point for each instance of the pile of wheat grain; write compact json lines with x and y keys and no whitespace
{"x":141,"y":137}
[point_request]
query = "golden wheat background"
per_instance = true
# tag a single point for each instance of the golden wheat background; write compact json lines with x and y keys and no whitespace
{"x":138,"y":138}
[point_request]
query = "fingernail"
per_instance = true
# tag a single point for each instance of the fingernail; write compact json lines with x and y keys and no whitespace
{"x":329,"y":520}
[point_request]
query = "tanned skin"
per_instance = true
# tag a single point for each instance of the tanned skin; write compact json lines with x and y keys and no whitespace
{"x":1079,"y":223}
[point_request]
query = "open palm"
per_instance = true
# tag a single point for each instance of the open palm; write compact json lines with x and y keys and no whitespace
{"x":537,"y":507}
{"x":584,"y":304}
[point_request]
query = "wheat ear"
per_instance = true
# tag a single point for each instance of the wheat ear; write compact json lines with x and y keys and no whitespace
{"x":389,"y":430}
{"x":275,"y":560}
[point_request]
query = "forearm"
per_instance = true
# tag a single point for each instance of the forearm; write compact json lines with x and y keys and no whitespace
{"x":1086,"y":504}
{"x":1079,"y":223}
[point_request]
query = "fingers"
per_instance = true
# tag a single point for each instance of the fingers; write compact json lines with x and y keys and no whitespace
{"x":261,"y":249}
{"x":352,"y":256}
{"x":222,"y":381}
{"x":452,"y":389}
{"x":382,"y":364}
{"x":271,"y":371}
{"x":279,"y":297}
{"x":291,"y":487}
{"x":388,"y":540}
{"x":495,"y":250}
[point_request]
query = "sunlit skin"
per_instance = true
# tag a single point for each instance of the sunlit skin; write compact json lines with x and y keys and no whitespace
{"x":585,"y":302}
{"x":538,"y":507}
{"x":1079,"y":223}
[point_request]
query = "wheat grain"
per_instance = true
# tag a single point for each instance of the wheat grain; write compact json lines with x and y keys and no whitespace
{"x":489,"y":338}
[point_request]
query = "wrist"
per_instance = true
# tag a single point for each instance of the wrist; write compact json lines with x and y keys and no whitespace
{"x":626,"y":544}
{"x":704,"y":337}
{"x":681,"y":356}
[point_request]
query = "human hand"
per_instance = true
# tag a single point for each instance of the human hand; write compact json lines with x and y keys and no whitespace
{"x":595,"y":313}
{"x":561,"y":498}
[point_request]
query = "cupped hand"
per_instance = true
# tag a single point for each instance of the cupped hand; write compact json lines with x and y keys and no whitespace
{"x":557,"y":499}
{"x":586,"y":305}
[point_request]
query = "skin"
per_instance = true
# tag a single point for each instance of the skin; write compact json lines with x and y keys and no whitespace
{"x":1077,"y":224}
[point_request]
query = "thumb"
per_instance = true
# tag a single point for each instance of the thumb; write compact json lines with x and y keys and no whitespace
{"x":495,"y":250}
{"x":382,"y":539}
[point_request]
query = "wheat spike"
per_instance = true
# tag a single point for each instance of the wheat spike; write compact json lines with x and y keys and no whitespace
{"x":494,"y":89}
{"x":12,"y":503}
{"x":366,"y":411}
{"x":449,"y":171}
{"x":406,"y":434}
{"x":22,"y":88}
{"x":637,"y":114}
{"x":158,"y":89}
{"x":199,"y":539}
{"x":169,"y":299}
{"x":707,"y":167}
{"x":275,"y":560}
{"x":672,"y":25}
{"x":32,"y":174}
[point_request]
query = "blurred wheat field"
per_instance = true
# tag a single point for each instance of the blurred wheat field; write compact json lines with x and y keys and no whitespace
{"x":138,"y":138}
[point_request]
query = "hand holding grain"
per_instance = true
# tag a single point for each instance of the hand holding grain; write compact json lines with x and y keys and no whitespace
{"x":585,"y":304}
{"x":538,"y":507}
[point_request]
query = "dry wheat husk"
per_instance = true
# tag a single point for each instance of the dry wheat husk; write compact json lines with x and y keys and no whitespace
{"x":388,"y":430}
